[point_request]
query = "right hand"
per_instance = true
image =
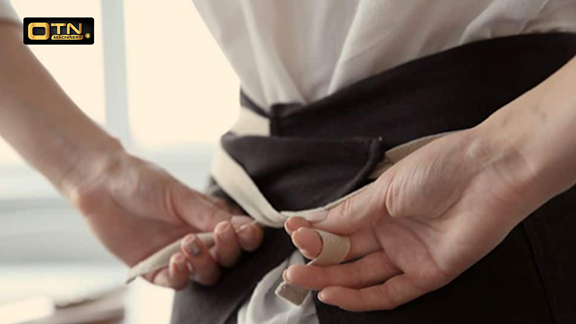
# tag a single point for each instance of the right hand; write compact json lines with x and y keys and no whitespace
{"x":136,"y":208}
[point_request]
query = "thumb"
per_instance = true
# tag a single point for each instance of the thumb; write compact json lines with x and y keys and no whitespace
{"x":196,"y":210}
{"x":353,"y":213}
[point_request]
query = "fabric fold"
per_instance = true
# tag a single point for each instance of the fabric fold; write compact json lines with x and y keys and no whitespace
{"x":236,"y":182}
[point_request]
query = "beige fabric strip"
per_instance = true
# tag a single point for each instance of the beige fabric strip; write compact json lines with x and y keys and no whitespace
{"x":250,"y":123}
{"x":161,"y":258}
{"x":335,"y":249}
{"x":234,"y":180}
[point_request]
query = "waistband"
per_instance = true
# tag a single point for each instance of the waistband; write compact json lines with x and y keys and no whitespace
{"x":450,"y":90}
{"x":305,"y":156}
{"x":369,"y":124}
{"x":342,"y":137}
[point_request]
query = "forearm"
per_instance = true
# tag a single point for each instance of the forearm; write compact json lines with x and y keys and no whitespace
{"x":540,"y":129}
{"x":39,"y":120}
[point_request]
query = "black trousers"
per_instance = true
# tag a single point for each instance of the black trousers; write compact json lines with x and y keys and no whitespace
{"x":321,"y":151}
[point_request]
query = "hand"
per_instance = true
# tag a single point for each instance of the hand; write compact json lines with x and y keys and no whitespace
{"x":420,"y":225}
{"x":136,"y":208}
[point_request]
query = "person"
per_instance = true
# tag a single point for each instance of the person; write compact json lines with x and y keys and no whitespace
{"x":419,"y":227}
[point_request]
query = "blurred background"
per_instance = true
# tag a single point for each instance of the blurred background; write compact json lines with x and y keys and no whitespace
{"x":155,"y":79}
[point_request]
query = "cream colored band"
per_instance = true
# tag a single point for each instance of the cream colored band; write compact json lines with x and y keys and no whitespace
{"x":335,"y":249}
{"x":250,"y":123}
{"x":161,"y":258}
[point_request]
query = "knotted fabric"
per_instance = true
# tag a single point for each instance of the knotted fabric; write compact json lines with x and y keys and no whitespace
{"x":305,"y":156}
{"x":237,"y":184}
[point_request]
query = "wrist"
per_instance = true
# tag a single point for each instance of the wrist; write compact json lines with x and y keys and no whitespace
{"x":88,"y":164}
{"x":500,"y":157}
{"x":518,"y":139}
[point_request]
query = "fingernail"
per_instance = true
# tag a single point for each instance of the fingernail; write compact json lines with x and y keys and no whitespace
{"x":317,"y":216}
{"x":243,"y":228}
{"x":304,"y":252}
{"x":295,"y":240}
{"x":238,"y":221}
{"x":322,"y":297}
{"x":193,"y":246}
{"x":303,"y":235}
{"x":285,"y":275}
{"x":180,"y":263}
{"x":190,"y":267}
{"x":288,"y":227}
{"x":225,"y":233}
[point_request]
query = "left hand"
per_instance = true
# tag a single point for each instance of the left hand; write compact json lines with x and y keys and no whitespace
{"x":419,"y":225}
{"x":136,"y":208}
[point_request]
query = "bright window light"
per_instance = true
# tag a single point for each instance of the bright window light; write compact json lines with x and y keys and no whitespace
{"x":180,"y":87}
{"x":78,"y":69}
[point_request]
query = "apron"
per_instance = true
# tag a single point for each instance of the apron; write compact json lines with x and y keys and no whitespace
{"x":301,"y":157}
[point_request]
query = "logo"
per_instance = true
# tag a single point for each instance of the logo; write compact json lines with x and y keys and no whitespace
{"x":58,"y":31}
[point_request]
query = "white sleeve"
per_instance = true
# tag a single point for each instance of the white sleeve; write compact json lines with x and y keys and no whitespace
{"x":7,"y":12}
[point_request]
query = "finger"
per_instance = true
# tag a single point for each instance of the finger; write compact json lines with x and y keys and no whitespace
{"x":249,"y":233}
{"x":353,"y":213}
{"x":227,"y":249}
{"x":294,"y":223}
{"x":204,"y":269}
{"x":194,"y":209}
{"x":178,"y":271}
{"x":238,"y":220}
{"x":310,"y":243}
{"x":394,"y":292}
{"x":223,"y":204}
{"x":174,"y":276}
{"x":370,"y":270}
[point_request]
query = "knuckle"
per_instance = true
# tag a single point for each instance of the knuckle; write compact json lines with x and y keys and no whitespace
{"x":211,"y":214}
{"x":368,"y":273}
{"x":432,"y":279}
{"x":386,"y":264}
{"x":364,"y":303}
{"x":347,"y":206}
{"x":251,"y":241}
{"x":391,"y":301}
{"x":365,"y":275}
{"x":206,"y":216}
{"x":343,"y":209}
{"x":174,"y":258}
{"x":331,"y":277}
{"x":158,"y":278}
{"x":176,"y":199}
{"x":392,"y":197}
{"x":157,"y":191}
{"x":361,"y":276}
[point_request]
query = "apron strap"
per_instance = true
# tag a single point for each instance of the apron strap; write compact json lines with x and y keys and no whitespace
{"x":236,"y":182}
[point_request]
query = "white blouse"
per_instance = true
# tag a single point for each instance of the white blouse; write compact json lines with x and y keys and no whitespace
{"x":302,"y":50}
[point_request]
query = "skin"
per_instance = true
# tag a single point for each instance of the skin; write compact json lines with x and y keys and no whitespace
{"x":437,"y":212}
{"x":416,"y":228}
{"x":133,"y":206}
